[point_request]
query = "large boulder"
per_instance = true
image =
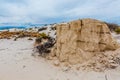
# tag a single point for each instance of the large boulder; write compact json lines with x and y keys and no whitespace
{"x":80,"y":40}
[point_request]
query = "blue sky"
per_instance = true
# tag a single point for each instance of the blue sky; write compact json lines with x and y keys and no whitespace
{"x":51,"y":11}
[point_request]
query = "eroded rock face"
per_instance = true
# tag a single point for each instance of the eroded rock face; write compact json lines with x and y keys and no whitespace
{"x":79,"y":40}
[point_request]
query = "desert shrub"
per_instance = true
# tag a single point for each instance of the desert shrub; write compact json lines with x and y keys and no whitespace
{"x":112,"y":26}
{"x":38,"y":40}
{"x":117,"y":30}
{"x":30,"y":39}
{"x":22,"y":34}
{"x":55,"y":33}
{"x":19,"y":34}
{"x":43,"y":28}
{"x":43,"y":35}
{"x":53,"y":28}
{"x":44,"y":48}
{"x":15,"y":39}
{"x":30,"y":28}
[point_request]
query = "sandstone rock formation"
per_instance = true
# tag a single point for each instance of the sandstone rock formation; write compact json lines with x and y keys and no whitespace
{"x":80,"y":40}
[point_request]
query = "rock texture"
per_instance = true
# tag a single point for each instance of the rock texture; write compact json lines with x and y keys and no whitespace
{"x":80,"y":40}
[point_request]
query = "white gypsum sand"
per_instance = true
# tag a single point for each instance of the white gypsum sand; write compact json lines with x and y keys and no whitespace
{"x":16,"y":63}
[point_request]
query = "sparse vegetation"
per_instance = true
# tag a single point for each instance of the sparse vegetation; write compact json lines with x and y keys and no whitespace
{"x":40,"y":37}
{"x":30,"y":39}
{"x":15,"y":39}
{"x":19,"y":34}
{"x":53,"y":28}
{"x":38,"y":40}
{"x":43,"y":35}
{"x":117,"y":30}
{"x":44,"y":47}
{"x":30,"y":28}
{"x":112,"y":26}
{"x":43,"y":28}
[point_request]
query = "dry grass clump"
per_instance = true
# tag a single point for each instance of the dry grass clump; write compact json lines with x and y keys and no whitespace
{"x":53,"y":28}
{"x":43,"y":35}
{"x":113,"y":26}
{"x":30,"y":39}
{"x":43,"y":28}
{"x":117,"y":30}
{"x":19,"y":34}
{"x":43,"y":44}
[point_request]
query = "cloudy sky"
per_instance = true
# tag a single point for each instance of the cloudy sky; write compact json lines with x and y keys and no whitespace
{"x":50,"y":11}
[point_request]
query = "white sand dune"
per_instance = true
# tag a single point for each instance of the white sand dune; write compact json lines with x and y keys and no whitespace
{"x":16,"y":63}
{"x":116,"y":36}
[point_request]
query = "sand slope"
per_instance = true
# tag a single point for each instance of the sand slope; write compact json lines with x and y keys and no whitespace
{"x":16,"y":63}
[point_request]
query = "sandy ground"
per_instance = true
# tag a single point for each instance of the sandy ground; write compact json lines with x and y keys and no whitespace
{"x":116,"y":36}
{"x":16,"y":63}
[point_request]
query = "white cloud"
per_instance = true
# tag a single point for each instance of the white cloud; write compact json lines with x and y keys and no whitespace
{"x":50,"y":10}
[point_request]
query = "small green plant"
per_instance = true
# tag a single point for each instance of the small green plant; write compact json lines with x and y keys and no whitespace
{"x":43,"y":35}
{"x":30,"y":28}
{"x":117,"y":30}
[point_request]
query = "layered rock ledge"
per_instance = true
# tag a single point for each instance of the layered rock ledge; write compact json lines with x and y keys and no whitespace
{"x":80,"y":40}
